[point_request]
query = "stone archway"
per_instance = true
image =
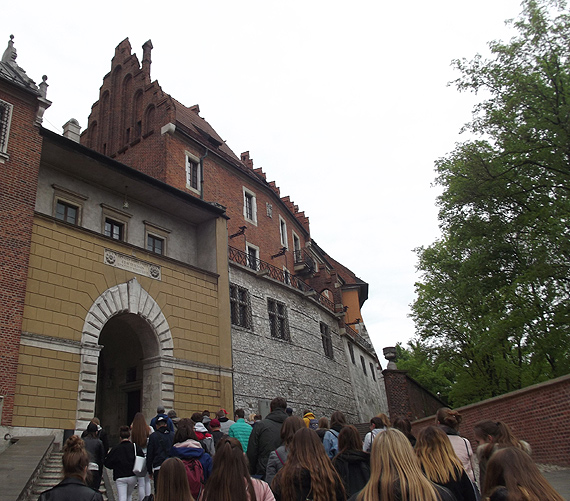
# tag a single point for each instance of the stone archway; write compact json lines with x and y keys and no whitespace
{"x":158,"y":379}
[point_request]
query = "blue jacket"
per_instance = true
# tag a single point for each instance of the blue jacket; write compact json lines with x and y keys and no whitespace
{"x":169,"y":422}
{"x":192,"y":449}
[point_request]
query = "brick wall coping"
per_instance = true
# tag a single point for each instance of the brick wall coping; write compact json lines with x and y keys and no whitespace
{"x":506,"y":396}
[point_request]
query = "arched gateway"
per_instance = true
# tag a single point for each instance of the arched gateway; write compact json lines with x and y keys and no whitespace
{"x":125,"y":333}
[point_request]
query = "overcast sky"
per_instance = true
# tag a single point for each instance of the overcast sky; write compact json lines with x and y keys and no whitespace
{"x":344,"y":104}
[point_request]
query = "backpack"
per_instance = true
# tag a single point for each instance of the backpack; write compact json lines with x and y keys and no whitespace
{"x":195,"y":474}
{"x":313,"y":424}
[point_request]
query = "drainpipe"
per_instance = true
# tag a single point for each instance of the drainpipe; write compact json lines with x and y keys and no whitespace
{"x":202,"y":174}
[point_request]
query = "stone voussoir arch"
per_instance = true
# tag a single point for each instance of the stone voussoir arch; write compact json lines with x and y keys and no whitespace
{"x":123,"y":298}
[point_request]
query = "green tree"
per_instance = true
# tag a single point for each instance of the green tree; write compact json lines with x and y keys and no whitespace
{"x":494,"y":295}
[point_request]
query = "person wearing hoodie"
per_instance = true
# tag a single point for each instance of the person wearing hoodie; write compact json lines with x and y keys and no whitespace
{"x":351,"y":463}
{"x":225,"y":423}
{"x":206,"y":440}
{"x":187,"y":448}
{"x":240,"y":429}
{"x":310,"y":420}
{"x":217,"y":435}
{"x":206,"y":420}
{"x":266,"y":437}
{"x":330,"y":440}
{"x":377,"y":425}
{"x":158,"y":450}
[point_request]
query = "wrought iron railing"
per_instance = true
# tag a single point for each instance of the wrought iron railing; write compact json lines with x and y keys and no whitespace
{"x":303,"y":257}
{"x":358,"y":338}
{"x":243,"y":258}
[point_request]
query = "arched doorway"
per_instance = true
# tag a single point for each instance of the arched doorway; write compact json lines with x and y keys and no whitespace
{"x":126,"y":358}
{"x":127,"y":340}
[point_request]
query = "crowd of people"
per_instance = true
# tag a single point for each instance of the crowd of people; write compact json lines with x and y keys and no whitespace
{"x":285,"y":457}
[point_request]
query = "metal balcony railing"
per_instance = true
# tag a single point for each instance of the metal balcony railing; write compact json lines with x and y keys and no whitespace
{"x":358,"y":338}
{"x":243,"y":258}
{"x":304,"y":260}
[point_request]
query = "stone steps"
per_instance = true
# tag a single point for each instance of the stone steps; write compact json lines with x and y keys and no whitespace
{"x":52,"y":474}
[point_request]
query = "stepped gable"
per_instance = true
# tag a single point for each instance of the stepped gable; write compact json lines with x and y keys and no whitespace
{"x":9,"y":70}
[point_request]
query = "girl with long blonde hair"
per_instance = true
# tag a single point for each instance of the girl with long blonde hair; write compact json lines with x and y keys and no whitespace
{"x":441,"y":465}
{"x":395,"y":473}
{"x":308,"y":472}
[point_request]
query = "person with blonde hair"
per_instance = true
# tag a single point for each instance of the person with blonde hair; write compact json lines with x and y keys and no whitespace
{"x":513,"y":476}
{"x":172,"y":484}
{"x":441,"y":465}
{"x":308,"y":472}
{"x":449,"y":420}
{"x":395,"y":473}
{"x":75,"y":463}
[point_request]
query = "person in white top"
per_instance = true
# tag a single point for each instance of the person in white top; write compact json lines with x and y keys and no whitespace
{"x":377,"y":425}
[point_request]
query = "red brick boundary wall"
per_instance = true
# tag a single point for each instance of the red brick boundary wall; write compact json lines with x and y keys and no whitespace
{"x":407,"y":398}
{"x":539,"y":414}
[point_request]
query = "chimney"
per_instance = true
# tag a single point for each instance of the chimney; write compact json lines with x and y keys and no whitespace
{"x":147,"y":47}
{"x":72,"y":130}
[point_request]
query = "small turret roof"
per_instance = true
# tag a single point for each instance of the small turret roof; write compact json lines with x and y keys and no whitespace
{"x":10,"y":71}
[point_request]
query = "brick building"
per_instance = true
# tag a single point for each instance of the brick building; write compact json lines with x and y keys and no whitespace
{"x":114,"y":284}
{"x":297,"y":329}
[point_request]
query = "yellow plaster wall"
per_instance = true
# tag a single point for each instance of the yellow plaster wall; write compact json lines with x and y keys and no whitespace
{"x":350,"y":299}
{"x":46,"y":388}
{"x":67,"y":274}
{"x":195,"y":391}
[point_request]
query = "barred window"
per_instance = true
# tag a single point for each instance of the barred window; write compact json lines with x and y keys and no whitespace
{"x":5,"y":119}
{"x":240,"y":305}
{"x":327,"y":341}
{"x":278,"y":319}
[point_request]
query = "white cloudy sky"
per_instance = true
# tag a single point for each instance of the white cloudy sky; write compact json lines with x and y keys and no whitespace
{"x":344,"y":104}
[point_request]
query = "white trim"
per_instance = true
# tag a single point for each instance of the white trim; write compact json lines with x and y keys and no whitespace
{"x":256,"y":249}
{"x":253,"y":205}
{"x":4,"y":146}
{"x":283,"y":232}
{"x":189,"y":157}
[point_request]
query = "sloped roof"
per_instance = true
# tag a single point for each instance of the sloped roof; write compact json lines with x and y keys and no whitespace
{"x":9,"y":70}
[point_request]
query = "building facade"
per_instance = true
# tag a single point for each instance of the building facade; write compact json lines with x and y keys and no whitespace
{"x":116,"y":284}
{"x":297,"y":329}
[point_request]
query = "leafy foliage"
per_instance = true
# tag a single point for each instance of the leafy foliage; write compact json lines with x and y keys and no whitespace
{"x":494,"y":296}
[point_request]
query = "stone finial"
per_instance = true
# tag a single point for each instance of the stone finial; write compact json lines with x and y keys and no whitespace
{"x":10,"y":54}
{"x":43,"y":86}
{"x":390,"y":355}
{"x":72,"y":130}
{"x":146,"y":61}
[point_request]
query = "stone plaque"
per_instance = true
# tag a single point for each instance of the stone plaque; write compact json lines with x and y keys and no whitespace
{"x":129,"y":263}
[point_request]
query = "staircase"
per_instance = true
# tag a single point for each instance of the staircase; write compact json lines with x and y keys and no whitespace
{"x":51,"y":476}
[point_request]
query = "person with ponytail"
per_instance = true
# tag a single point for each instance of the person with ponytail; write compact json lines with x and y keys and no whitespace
{"x":396,"y":475}
{"x":513,"y":476}
{"x":308,"y":472}
{"x":140,"y":431}
{"x":490,"y":437}
{"x":172,"y":483}
{"x":75,"y":469}
{"x":230,"y":479}
{"x":449,"y":420}
{"x":121,"y":459}
{"x":441,"y":465}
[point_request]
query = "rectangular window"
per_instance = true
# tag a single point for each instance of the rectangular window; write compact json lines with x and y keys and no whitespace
{"x":327,"y":341}
{"x":5,"y":120}
{"x":192,"y":172}
{"x":249,"y":206}
{"x":252,"y":257}
{"x":278,"y":319}
{"x":114,"y":229}
{"x":154,"y":244}
{"x":240,"y":306}
{"x":363,"y":364}
{"x":283,"y":231}
{"x":372,"y":371}
{"x":66,"y":212}
{"x":351,"y":350}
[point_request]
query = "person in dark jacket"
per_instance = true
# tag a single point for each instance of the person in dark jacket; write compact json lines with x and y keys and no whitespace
{"x":266,"y":437}
{"x":351,"y":462}
{"x":161,"y":412}
{"x":217,"y":434}
{"x":96,"y":452}
{"x":158,"y":450}
{"x":121,"y":459}
{"x":278,"y":457}
{"x":101,"y":434}
{"x":72,"y":487}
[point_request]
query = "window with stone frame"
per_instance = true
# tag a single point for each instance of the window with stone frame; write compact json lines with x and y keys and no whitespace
{"x":5,"y":120}
{"x":193,"y":180}
{"x":114,"y":229}
{"x":67,"y":212}
{"x":351,"y":351}
{"x":327,"y":340}
{"x":154,"y":244}
{"x":249,"y":206}
{"x":278,"y":323}
{"x":363,"y":364}
{"x":240,"y":306}
{"x":372,"y":371}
